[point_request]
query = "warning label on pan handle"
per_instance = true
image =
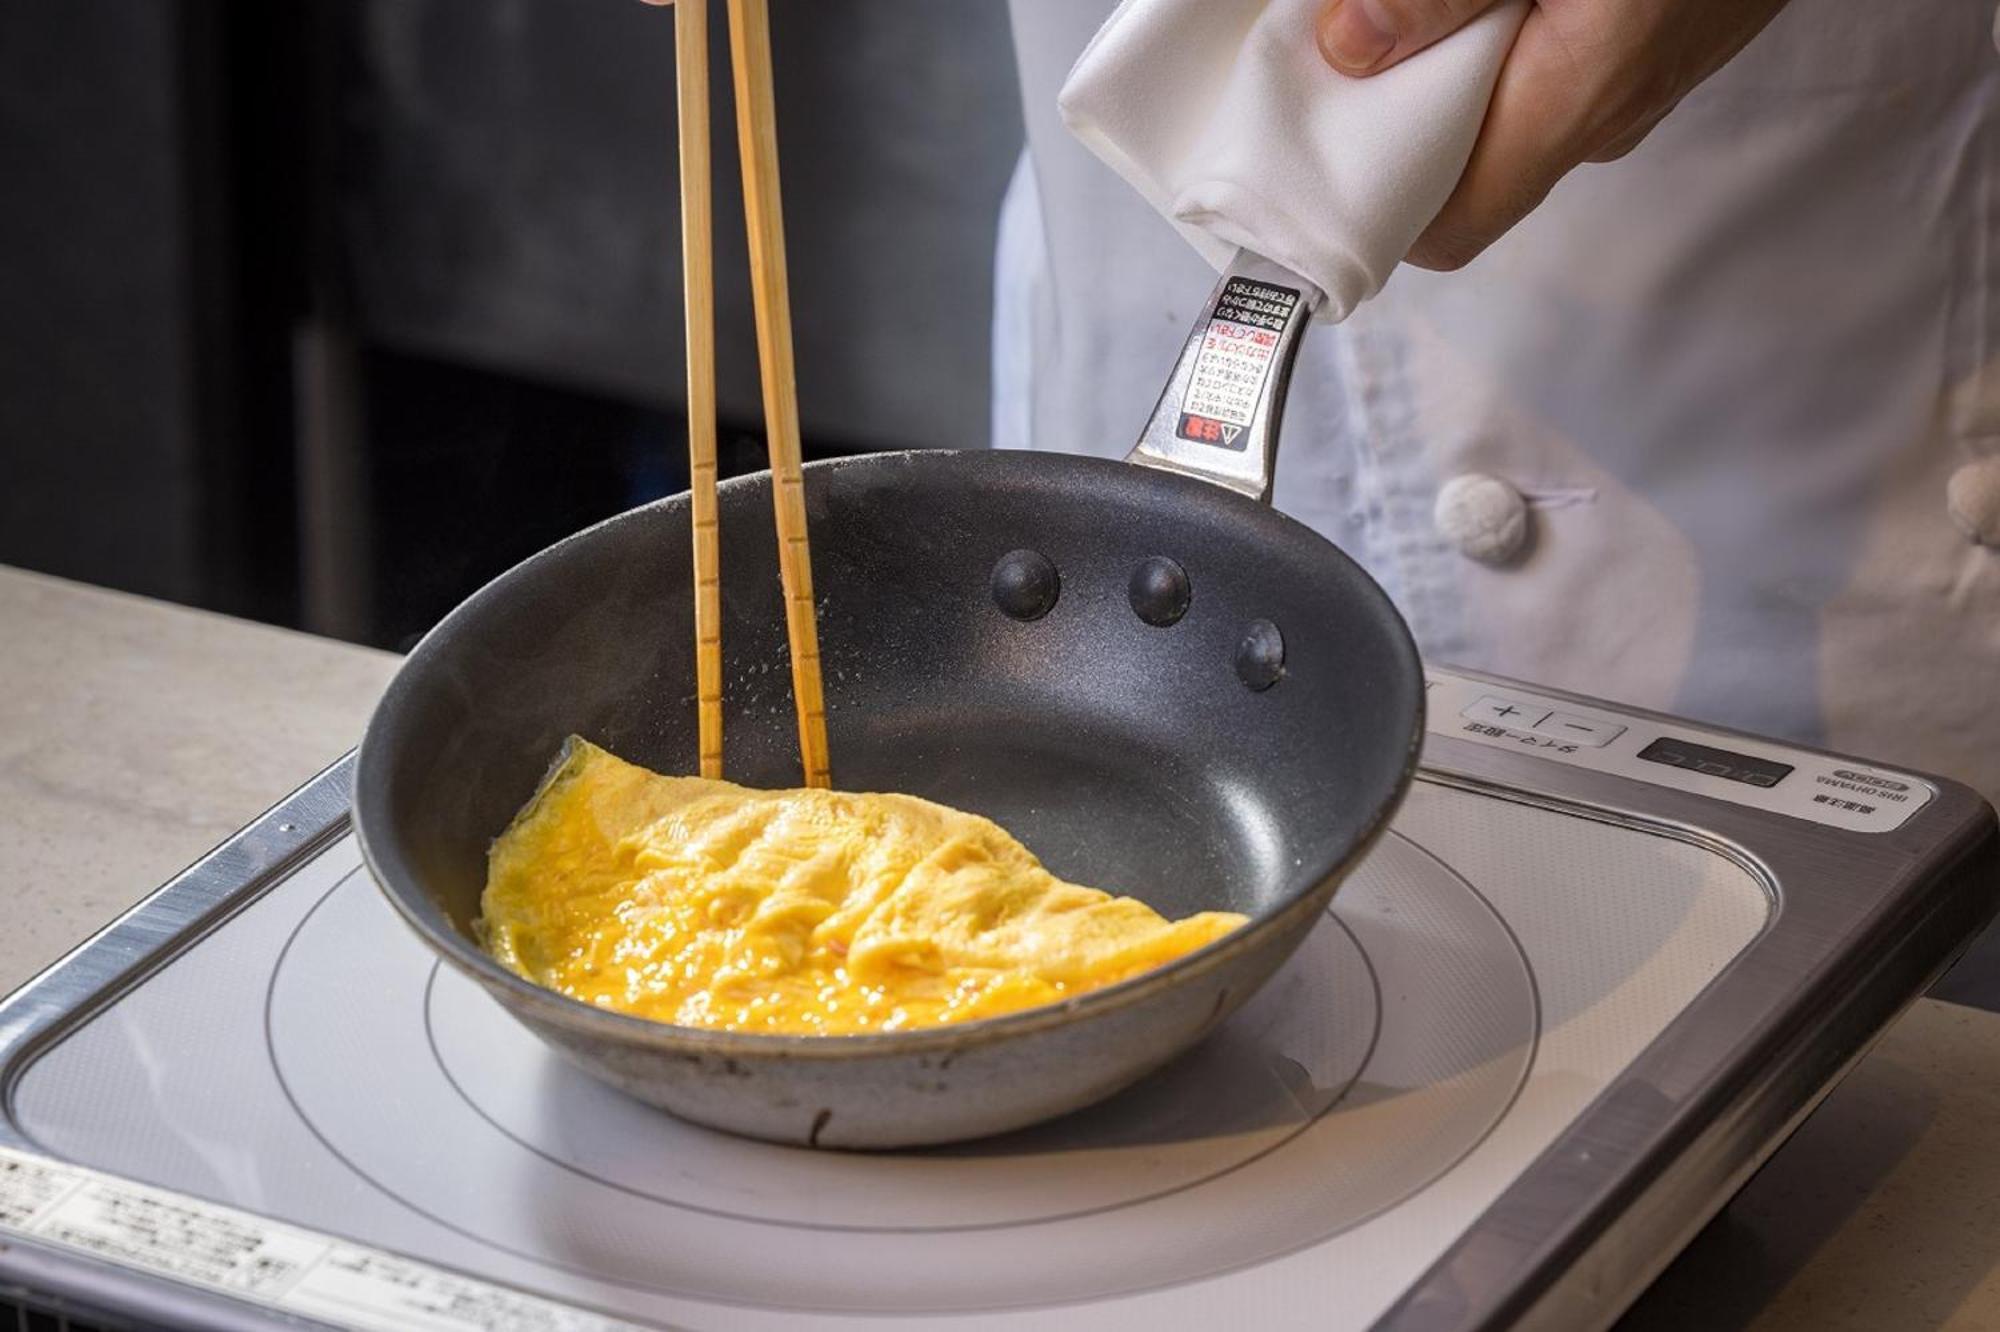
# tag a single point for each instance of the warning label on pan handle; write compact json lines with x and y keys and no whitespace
{"x":254,"y":1258}
{"x":1237,"y":351}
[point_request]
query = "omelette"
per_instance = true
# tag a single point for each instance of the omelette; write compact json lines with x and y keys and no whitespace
{"x":705,"y":904}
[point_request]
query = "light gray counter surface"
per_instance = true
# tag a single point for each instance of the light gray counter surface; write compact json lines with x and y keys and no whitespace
{"x":135,"y":735}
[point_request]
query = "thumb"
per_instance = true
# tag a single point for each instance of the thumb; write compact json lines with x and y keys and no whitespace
{"x":1368,"y":36}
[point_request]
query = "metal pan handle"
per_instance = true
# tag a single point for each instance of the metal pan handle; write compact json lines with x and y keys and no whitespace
{"x":1218,"y":417}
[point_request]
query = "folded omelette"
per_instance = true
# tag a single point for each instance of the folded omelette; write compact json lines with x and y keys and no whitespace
{"x":705,"y":904}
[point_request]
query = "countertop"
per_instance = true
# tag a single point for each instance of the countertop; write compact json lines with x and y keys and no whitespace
{"x":135,"y":735}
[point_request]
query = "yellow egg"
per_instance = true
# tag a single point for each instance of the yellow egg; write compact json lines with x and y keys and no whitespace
{"x":706,"y":904}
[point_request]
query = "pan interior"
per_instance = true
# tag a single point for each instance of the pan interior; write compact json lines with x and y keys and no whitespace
{"x":1127,"y":756}
{"x":1098,"y":805}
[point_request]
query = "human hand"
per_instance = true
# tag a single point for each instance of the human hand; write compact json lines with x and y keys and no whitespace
{"x":1586,"y":81}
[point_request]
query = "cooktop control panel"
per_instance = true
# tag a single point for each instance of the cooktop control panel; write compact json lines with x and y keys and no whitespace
{"x":1757,"y":773}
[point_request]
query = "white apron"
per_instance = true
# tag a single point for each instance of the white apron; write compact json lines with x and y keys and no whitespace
{"x":1732,"y":377}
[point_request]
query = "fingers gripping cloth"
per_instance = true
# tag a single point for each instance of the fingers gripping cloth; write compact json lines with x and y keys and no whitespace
{"x":1223,"y":114}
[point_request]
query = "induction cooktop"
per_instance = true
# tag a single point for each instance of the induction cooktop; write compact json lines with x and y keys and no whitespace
{"x":1603,"y":963}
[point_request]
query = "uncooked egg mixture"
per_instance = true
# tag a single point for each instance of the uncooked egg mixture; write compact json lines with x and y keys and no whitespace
{"x":705,"y":904}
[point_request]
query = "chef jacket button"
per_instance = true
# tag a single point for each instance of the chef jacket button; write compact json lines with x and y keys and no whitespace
{"x":1973,"y":498}
{"x":1483,"y":516}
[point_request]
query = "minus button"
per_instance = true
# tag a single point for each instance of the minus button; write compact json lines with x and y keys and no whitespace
{"x":1580,"y":730}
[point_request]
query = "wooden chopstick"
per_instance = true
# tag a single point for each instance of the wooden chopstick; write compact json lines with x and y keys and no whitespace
{"x":698,"y":285}
{"x":757,"y":136}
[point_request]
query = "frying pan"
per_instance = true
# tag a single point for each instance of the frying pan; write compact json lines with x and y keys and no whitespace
{"x":1158,"y":683}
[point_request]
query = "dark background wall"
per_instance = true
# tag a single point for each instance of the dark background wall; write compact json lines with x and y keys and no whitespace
{"x":97,"y":387}
{"x":326,"y":311}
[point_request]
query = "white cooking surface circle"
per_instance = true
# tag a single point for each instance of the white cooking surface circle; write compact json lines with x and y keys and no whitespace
{"x":1482,"y":977}
{"x":1317,"y":1106}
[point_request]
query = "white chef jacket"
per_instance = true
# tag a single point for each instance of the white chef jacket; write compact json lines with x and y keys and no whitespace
{"x":1730,"y":376}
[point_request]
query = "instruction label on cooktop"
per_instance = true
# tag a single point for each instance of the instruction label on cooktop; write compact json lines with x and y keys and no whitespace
{"x":1235,"y":359}
{"x":253,"y":1258}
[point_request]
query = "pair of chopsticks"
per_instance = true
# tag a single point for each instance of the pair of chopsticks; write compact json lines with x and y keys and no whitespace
{"x":757,"y":138}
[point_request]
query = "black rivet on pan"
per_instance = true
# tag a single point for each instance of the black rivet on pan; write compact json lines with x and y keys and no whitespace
{"x":1260,"y":655}
{"x":1025,"y":585}
{"x":1160,"y":591}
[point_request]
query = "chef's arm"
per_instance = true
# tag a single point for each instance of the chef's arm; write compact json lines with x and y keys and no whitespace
{"x":1585,"y":82}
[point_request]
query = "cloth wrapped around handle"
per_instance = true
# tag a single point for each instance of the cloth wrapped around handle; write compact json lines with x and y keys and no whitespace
{"x":1224,"y":115}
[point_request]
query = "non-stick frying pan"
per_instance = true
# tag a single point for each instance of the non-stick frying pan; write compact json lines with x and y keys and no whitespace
{"x":1161,"y":685}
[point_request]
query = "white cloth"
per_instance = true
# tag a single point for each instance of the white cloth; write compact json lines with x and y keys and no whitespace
{"x":1225,"y":117}
{"x":1732,"y":375}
